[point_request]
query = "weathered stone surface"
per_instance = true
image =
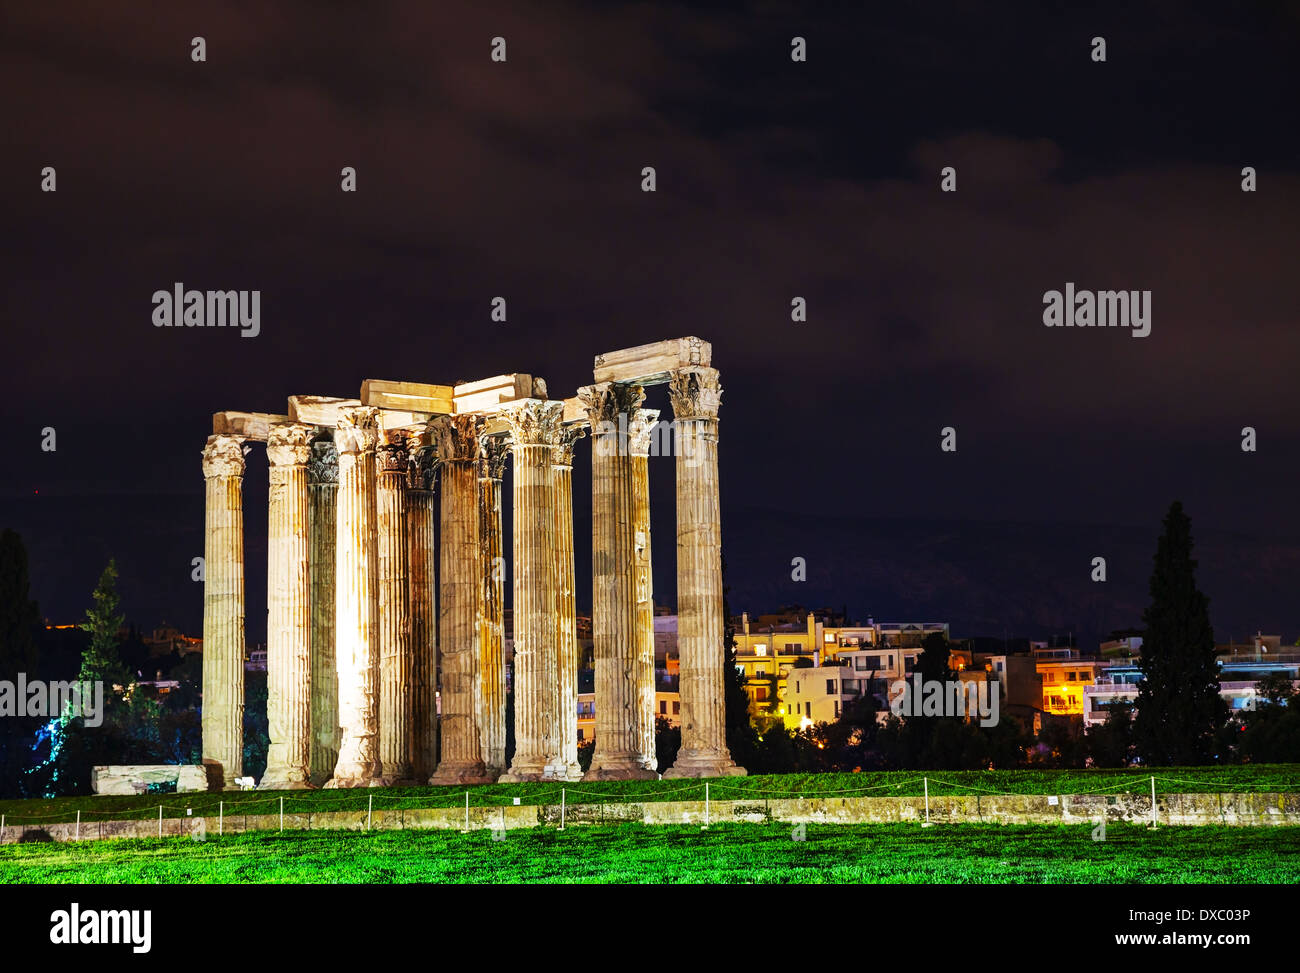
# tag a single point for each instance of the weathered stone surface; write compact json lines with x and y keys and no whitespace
{"x":223,"y":606}
{"x":696,"y":394}
{"x":491,"y":627}
{"x":137,"y":778}
{"x":652,"y":364}
{"x":395,"y":702}
{"x":288,"y":595}
{"x":421,"y":518}
{"x":566,"y":622}
{"x":322,"y":486}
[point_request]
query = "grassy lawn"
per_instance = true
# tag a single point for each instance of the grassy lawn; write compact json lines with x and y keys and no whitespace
{"x":1169,"y":780}
{"x":984,"y":854}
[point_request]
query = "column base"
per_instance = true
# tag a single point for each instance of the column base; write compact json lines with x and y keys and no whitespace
{"x":534,"y":771}
{"x":619,"y":767}
{"x":454,"y":772}
{"x":707,"y":763}
{"x":339,"y":783}
{"x":402,"y":775}
{"x":285,"y":785}
{"x":564,"y":772}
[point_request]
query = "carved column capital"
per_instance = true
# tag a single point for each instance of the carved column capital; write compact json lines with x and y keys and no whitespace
{"x":569,"y":436}
{"x":495,"y":449}
{"x":290,"y":444}
{"x":605,"y":401}
{"x":223,"y":456}
{"x":695,"y":393}
{"x":323,"y":467}
{"x":534,"y":422}
{"x":457,"y":437}
{"x":358,"y":429}
{"x":392,"y":454}
{"x":422,"y":469}
{"x":640,"y":423}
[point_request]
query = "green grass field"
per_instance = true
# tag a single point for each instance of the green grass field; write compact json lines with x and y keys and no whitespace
{"x":982,"y":854}
{"x":1169,"y":780}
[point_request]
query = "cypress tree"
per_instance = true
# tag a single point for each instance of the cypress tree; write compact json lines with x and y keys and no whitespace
{"x":1179,"y":708}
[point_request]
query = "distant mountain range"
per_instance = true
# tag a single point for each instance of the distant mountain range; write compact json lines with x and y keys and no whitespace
{"x":991,"y":579}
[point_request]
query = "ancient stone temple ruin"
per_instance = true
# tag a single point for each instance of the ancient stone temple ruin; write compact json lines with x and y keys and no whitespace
{"x":365,"y":634}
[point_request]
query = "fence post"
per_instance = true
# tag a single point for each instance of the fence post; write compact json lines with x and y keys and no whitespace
{"x":467,"y":810}
{"x":561,"y":808}
{"x":370,"y":811}
{"x":2,"y":829}
{"x":160,"y":810}
{"x":78,"y":837}
{"x":281,"y":813}
{"x":927,"y":802}
{"x":221,"y":817}
{"x":1154,"y":825}
{"x":706,"y":803}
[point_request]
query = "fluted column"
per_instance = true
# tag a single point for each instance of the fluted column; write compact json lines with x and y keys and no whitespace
{"x":461,"y":762}
{"x":639,"y":429}
{"x":619,"y":753}
{"x":535,"y":429}
{"x":696,"y":395}
{"x":322,"y":487}
{"x":491,"y":628}
{"x":288,"y":600}
{"x":420,"y":513}
{"x":223,"y":606}
{"x":566,"y":621}
{"x":356,"y":613}
{"x":391,"y":467}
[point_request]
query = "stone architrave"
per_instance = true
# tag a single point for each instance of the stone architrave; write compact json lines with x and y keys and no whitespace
{"x":288,"y":599}
{"x":491,"y":614}
{"x":357,"y":600}
{"x":639,"y":431}
{"x":223,"y":606}
{"x":566,"y":621}
{"x":323,"y":487}
{"x":535,"y":432}
{"x":392,"y":463}
{"x":696,"y":394}
{"x":458,"y":443}
{"x":620,"y":741}
{"x":421,"y":532}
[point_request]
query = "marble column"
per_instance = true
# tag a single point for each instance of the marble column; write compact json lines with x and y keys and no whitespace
{"x":696,"y":394}
{"x":288,"y":600}
{"x":457,"y":439}
{"x":535,"y":431}
{"x":356,"y":601}
{"x":619,"y":753}
{"x":491,"y":614}
{"x":643,"y":658}
{"x":392,"y":462}
{"x":421,"y":534}
{"x":223,"y":607}
{"x":323,"y":487}
{"x":566,"y":620}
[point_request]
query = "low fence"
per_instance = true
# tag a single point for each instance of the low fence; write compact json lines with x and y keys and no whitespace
{"x":233,"y":817}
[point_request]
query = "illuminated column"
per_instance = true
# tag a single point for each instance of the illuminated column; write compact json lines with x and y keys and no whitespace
{"x":356,"y":600}
{"x":643,"y":710}
{"x":491,"y":624}
{"x":535,"y":429}
{"x":696,"y":394}
{"x":420,"y":514}
{"x":323,"y":486}
{"x":566,"y":622}
{"x":223,"y":606}
{"x":392,"y":461}
{"x":288,"y":599}
{"x":619,"y":753}
{"x":457,"y":439}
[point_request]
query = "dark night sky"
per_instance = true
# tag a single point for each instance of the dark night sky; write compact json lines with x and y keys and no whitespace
{"x":775,"y":179}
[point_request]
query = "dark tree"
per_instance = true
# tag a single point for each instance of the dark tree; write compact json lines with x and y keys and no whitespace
{"x":1179,"y":709}
{"x":19,"y":622}
{"x":742,"y":738}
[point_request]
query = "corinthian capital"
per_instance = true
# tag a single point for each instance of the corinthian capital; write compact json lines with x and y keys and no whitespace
{"x":534,"y":422}
{"x":457,"y":437}
{"x":695,"y":393}
{"x":223,"y":456}
{"x":495,"y":450}
{"x":358,"y":429}
{"x":323,"y":468}
{"x":605,"y":401}
{"x":423,"y":468}
{"x":638,"y":431}
{"x":392,"y":454}
{"x":569,"y":436}
{"x":289,"y":444}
